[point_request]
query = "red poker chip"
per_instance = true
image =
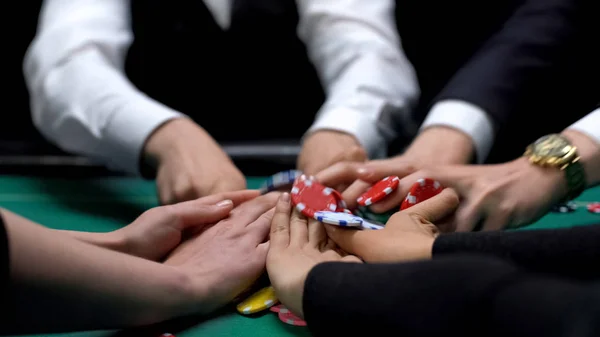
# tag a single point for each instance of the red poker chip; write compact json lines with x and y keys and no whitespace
{"x":422,"y":190}
{"x":309,"y":197}
{"x":291,"y":319}
{"x":340,"y":201}
{"x":594,"y":207}
{"x":379,"y":191}
{"x":277,"y":308}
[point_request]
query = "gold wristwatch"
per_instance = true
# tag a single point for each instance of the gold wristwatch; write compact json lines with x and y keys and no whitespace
{"x":557,"y":151}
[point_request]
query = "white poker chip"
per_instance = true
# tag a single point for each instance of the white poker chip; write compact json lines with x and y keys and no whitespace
{"x":339,"y":219}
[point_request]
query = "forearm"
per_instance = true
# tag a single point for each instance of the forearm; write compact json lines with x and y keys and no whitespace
{"x":107,"y":240}
{"x":516,"y":62}
{"x":62,"y":284}
{"x":571,"y":252}
{"x":80,"y":96}
{"x":345,"y":41}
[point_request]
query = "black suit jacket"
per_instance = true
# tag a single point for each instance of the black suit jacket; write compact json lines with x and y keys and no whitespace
{"x":531,"y":65}
{"x":546,"y":47}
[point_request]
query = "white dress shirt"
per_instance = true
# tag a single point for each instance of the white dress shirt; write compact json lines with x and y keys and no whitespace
{"x":589,"y":125}
{"x":473,"y":121}
{"x":83,"y":102}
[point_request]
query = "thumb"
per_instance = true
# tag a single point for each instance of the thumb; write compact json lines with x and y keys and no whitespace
{"x":352,"y":241}
{"x":437,"y":207}
{"x":194,"y":212}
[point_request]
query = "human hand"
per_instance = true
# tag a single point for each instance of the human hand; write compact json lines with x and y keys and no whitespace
{"x":297,"y":245}
{"x":190,"y":163}
{"x":408,"y":235}
{"x":434,"y":146}
{"x":159,"y":230}
{"x":225,"y":259}
{"x":324,"y":148}
{"x":505,"y":195}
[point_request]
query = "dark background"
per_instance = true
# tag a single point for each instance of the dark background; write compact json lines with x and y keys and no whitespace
{"x":17,"y":133}
{"x":24,"y":151}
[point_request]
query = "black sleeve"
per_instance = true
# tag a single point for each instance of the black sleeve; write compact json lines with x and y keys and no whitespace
{"x":454,"y":296}
{"x":569,"y":251}
{"x":523,"y":57}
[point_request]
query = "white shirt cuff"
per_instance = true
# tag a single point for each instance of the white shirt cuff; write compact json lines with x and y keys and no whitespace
{"x":589,"y":125}
{"x":126,"y":134}
{"x":355,"y":123}
{"x":467,"y":118}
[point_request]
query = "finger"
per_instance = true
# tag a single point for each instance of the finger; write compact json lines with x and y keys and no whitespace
{"x":262,"y":250}
{"x":376,"y":170}
{"x":316,"y":233}
{"x":247,"y":213}
{"x":447,"y":224}
{"x":238,"y":197}
{"x":457,"y":177}
{"x":352,"y":241}
{"x":354,"y":191}
{"x":298,"y":229}
{"x":261,"y":253}
{"x":496,"y":221}
{"x":467,"y":217}
{"x":184,"y":190}
{"x":341,"y":173}
{"x":280,"y":225}
{"x":437,"y":207}
{"x":355,"y":153}
{"x":329,"y":244}
{"x":317,"y":167}
{"x":260,"y":228}
{"x":192,"y":213}
{"x":351,"y":259}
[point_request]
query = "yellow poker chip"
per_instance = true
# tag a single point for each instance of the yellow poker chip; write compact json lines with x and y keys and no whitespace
{"x":259,"y":301}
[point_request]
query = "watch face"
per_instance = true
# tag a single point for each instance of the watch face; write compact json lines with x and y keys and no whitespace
{"x":551,"y":146}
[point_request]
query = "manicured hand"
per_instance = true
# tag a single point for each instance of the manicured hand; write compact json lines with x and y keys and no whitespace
{"x":408,"y":235}
{"x":225,"y":259}
{"x":297,"y":245}
{"x":435,"y":146}
{"x":160,"y":230}
{"x":512,"y":194}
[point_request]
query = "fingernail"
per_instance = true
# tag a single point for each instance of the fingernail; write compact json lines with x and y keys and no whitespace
{"x":285,"y":197}
{"x":362,"y":170}
{"x":225,"y":203}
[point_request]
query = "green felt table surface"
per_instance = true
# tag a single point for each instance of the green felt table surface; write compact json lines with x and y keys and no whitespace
{"x":104,"y":204}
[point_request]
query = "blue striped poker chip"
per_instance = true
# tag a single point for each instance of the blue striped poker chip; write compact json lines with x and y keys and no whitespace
{"x":338,"y":218}
{"x":369,"y":224}
{"x":280,"y":180}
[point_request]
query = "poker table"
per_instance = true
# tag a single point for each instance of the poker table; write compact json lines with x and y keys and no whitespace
{"x":106,"y":203}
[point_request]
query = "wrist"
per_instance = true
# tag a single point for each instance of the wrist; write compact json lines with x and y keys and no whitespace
{"x":169,"y":138}
{"x":589,"y":154}
{"x":442,"y":145}
{"x":110,"y":240}
{"x":555,"y":176}
{"x":182,"y":297}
